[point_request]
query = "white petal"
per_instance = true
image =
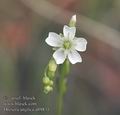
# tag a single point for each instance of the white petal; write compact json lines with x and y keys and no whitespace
{"x":69,"y":32}
{"x":74,"y":57}
{"x":53,"y":39}
{"x":80,"y":44}
{"x":59,"y":56}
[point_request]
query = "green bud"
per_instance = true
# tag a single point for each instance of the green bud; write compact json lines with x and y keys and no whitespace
{"x":51,"y":83}
{"x":46,"y":80}
{"x":52,"y":66}
{"x":47,"y":89}
{"x":51,"y":74}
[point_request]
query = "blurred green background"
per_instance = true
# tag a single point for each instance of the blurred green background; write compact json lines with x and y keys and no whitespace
{"x":93,"y":86}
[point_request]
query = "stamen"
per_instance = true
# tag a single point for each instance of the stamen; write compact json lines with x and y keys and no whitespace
{"x":67,"y":44}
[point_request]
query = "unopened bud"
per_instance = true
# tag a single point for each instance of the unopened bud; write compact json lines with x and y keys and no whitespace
{"x":73,"y":21}
{"x":52,"y":65}
{"x":46,"y":80}
{"x":51,"y":74}
{"x":47,"y":89}
{"x":51,"y":83}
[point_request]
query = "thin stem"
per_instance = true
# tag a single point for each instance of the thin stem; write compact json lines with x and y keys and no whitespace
{"x":64,"y":70}
{"x":60,"y":95}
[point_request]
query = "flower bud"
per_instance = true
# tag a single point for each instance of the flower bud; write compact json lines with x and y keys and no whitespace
{"x":51,"y":83}
{"x":52,"y":66}
{"x":47,"y":89}
{"x":73,"y":21}
{"x":46,"y":80}
{"x":51,"y":74}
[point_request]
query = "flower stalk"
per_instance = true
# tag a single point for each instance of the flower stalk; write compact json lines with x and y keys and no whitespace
{"x":63,"y":71}
{"x":66,"y":47}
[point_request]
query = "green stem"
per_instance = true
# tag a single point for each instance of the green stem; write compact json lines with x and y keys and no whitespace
{"x":60,"y":95}
{"x":64,"y":70}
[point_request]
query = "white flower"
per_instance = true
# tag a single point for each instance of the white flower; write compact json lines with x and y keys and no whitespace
{"x":66,"y":45}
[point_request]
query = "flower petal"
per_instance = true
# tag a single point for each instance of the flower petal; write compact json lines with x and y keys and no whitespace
{"x":74,"y":57}
{"x":59,"y":56}
{"x":53,"y":39}
{"x":69,"y":32}
{"x":80,"y":44}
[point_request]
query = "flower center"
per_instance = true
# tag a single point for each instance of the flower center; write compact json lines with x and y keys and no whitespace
{"x":67,"y":44}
